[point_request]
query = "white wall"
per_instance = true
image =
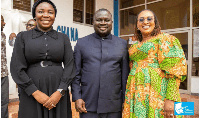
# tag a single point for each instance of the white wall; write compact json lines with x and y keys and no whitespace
{"x":65,"y":18}
{"x":194,"y":84}
{"x":15,"y":22}
{"x":107,"y":4}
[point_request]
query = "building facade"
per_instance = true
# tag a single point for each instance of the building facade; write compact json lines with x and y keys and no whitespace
{"x":74,"y":18}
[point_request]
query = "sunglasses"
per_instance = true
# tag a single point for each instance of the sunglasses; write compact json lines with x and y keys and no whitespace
{"x":149,"y":19}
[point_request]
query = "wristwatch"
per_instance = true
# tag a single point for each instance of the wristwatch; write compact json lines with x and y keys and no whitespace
{"x":62,"y":92}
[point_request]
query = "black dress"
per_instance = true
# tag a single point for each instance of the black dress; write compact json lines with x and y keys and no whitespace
{"x":32,"y":47}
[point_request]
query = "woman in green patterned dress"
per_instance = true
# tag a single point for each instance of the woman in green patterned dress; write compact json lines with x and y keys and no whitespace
{"x":158,"y":65}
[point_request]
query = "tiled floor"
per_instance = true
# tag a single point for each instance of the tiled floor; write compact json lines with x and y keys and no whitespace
{"x":14,"y":105}
{"x":192,"y":98}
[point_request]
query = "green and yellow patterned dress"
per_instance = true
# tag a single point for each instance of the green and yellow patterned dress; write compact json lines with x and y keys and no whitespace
{"x":158,"y":65}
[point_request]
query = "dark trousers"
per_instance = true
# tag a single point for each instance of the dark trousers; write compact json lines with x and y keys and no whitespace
{"x":101,"y":115}
{"x":4,"y":97}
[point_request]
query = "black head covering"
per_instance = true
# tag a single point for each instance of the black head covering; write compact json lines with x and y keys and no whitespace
{"x":40,"y":1}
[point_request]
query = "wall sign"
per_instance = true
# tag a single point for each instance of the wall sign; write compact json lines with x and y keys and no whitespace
{"x":71,"y":32}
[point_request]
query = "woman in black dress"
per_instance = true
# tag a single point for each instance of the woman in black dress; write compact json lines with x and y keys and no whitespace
{"x":36,"y":67}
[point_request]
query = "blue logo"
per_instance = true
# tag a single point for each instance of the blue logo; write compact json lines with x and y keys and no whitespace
{"x":184,"y":108}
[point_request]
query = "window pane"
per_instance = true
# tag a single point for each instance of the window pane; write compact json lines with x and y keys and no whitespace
{"x":35,"y":1}
{"x":129,"y":3}
{"x":150,"y":0}
{"x":89,"y":11}
{"x":195,"y":51}
{"x":127,"y":20}
{"x":78,"y":11}
{"x":24,"y":5}
{"x":195,"y":13}
{"x":172,"y":13}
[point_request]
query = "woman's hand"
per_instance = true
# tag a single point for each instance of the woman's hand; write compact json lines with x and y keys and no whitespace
{"x":40,"y":97}
{"x":122,"y":106}
{"x":53,"y":100}
{"x":169,"y":109}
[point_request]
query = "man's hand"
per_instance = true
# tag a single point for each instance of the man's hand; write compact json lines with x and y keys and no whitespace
{"x":53,"y":100}
{"x":40,"y":97}
{"x":80,"y":106}
{"x":169,"y":109}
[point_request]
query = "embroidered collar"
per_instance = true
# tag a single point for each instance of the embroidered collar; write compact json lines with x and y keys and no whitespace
{"x":37,"y":33}
{"x":98,"y":37}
